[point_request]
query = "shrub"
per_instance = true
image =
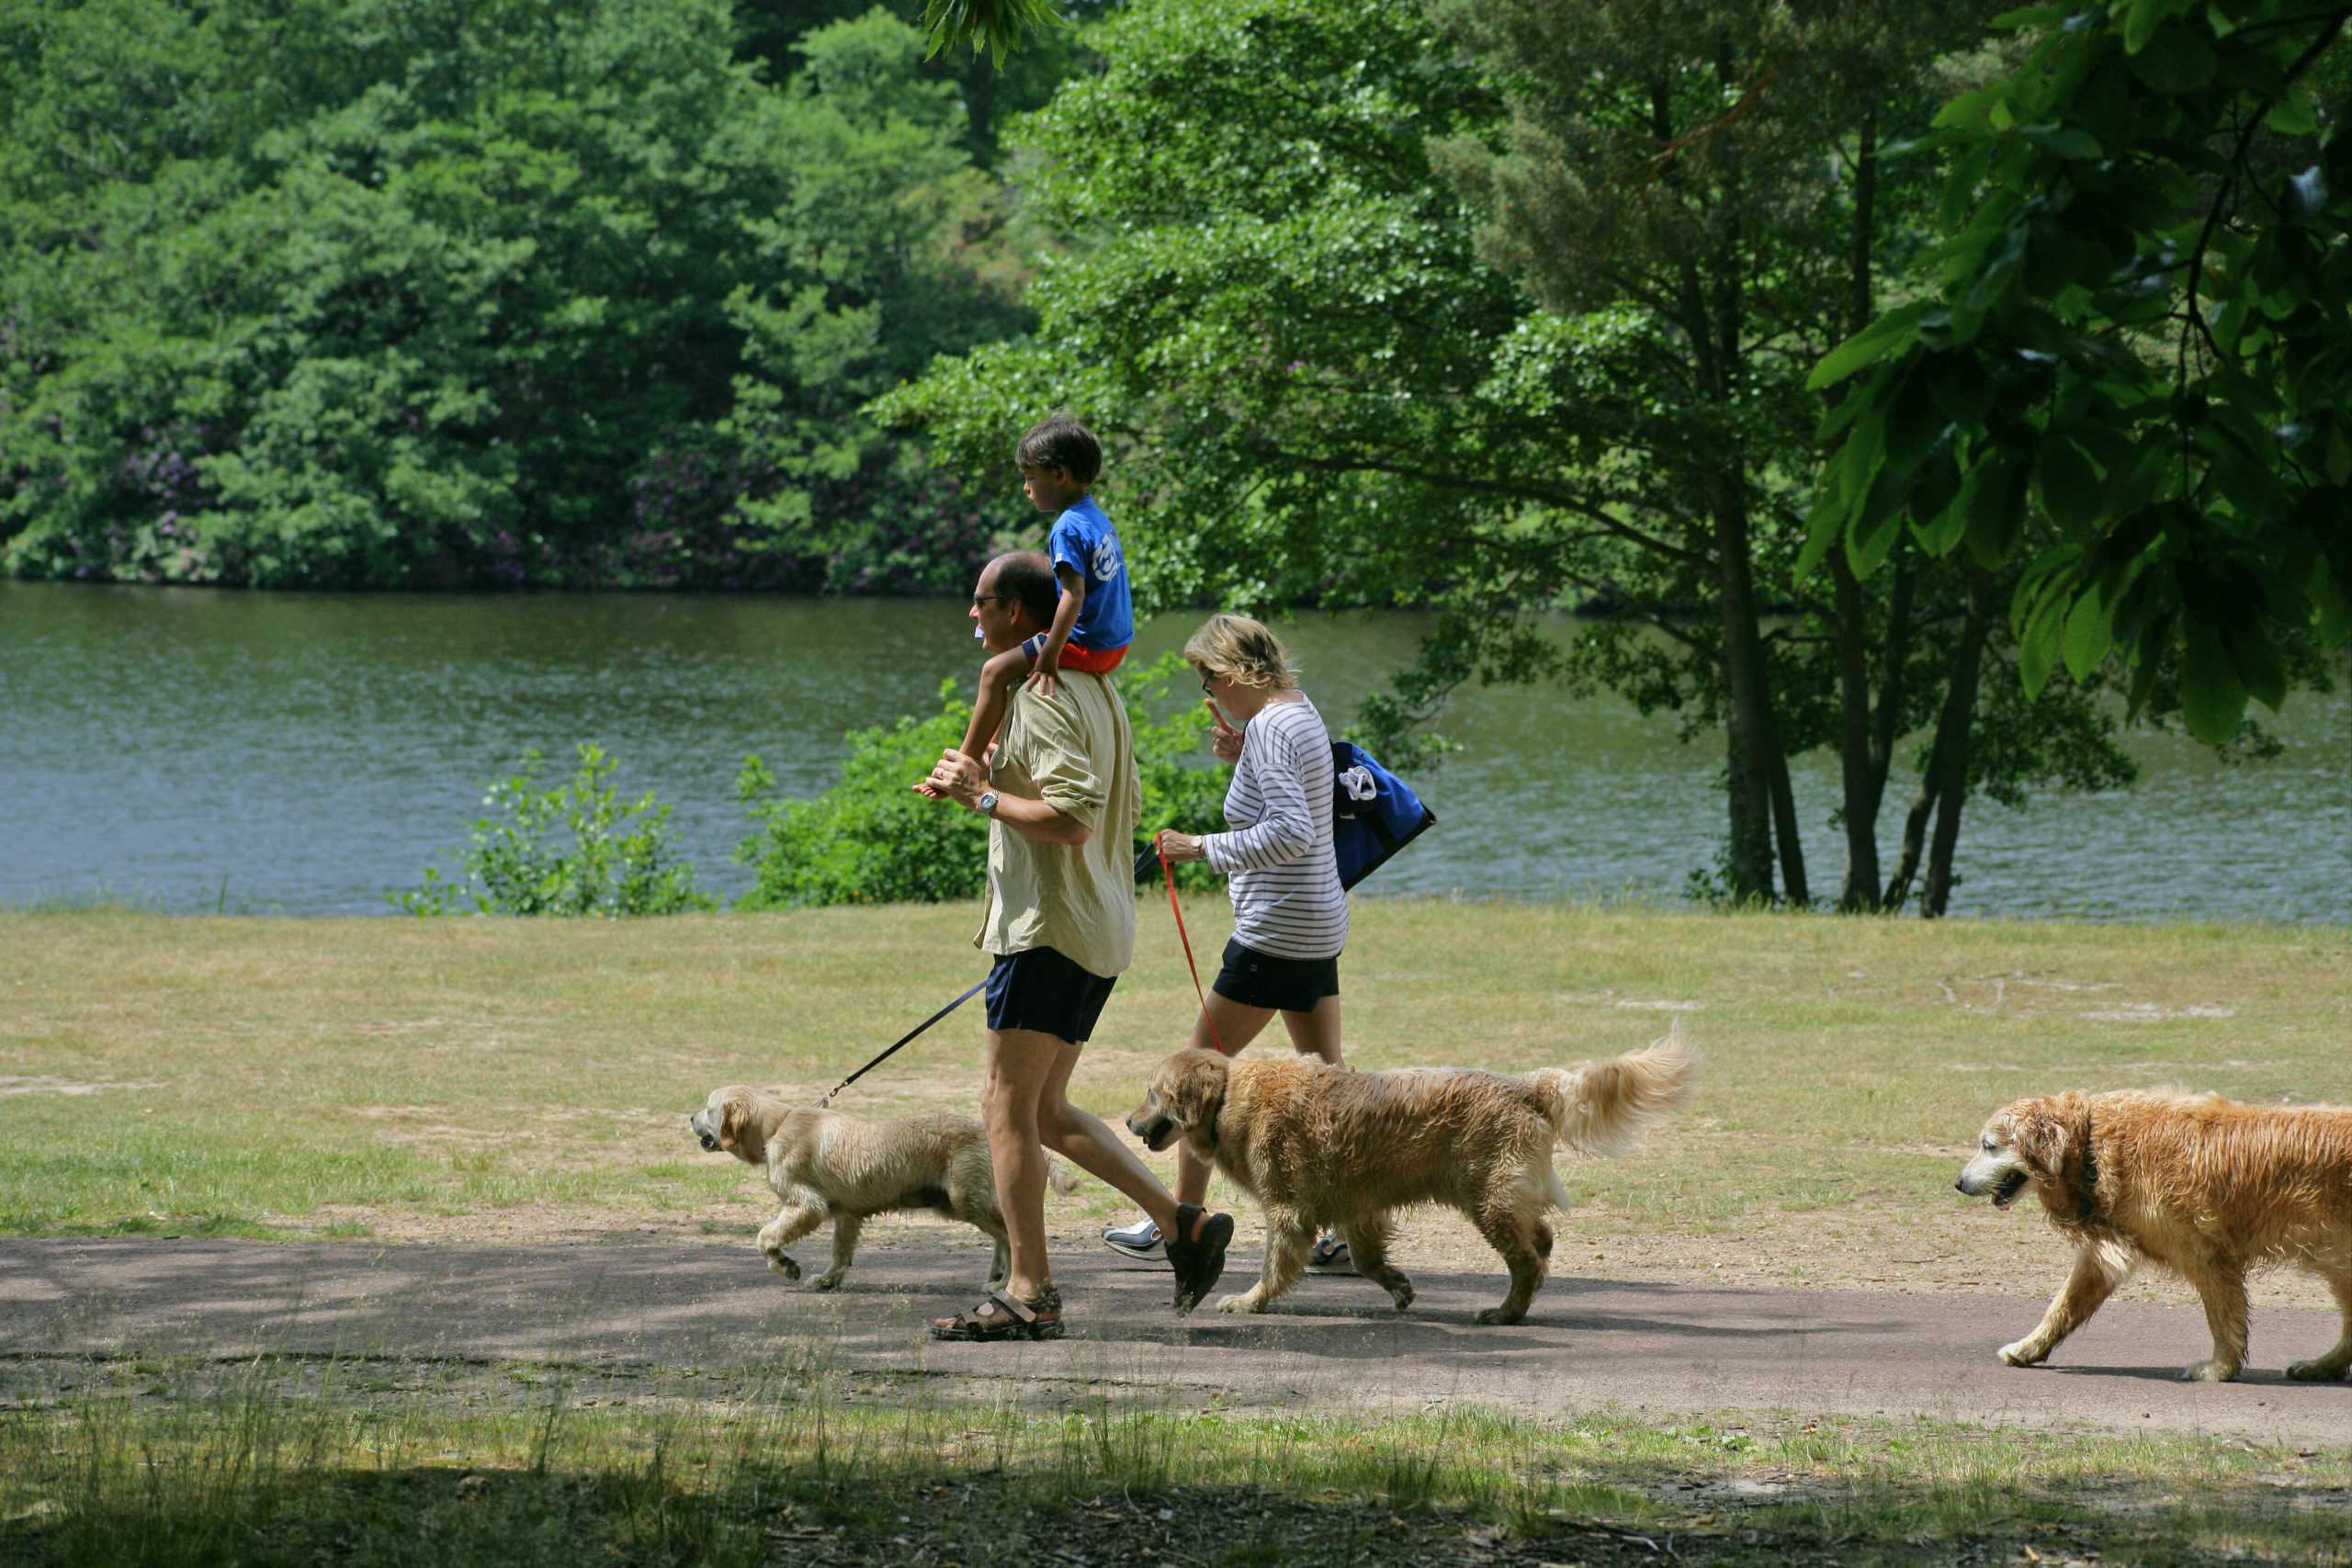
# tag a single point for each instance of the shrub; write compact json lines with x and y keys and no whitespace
{"x":618,"y":861}
{"x":871,"y":840}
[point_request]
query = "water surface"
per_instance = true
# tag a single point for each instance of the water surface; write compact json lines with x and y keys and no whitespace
{"x":306,"y":753}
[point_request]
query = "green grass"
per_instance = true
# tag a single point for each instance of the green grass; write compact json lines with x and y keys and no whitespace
{"x":267,"y":1077}
{"x":157,"y":1462}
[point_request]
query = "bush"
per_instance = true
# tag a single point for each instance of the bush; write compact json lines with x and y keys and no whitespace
{"x":619,"y":861}
{"x":871,"y":840}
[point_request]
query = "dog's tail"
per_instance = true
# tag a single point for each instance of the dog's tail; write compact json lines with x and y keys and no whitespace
{"x":1601,"y":1108}
{"x":1061,"y":1177}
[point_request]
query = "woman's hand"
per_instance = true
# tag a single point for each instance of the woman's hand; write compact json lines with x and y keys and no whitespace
{"x":1224,"y":739}
{"x":1176,"y":848}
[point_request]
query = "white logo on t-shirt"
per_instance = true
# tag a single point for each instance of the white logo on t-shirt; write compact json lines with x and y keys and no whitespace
{"x":1106,"y":560}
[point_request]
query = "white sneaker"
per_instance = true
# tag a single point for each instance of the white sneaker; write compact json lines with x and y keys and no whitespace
{"x":1139,"y":1241}
{"x":1329,"y":1256}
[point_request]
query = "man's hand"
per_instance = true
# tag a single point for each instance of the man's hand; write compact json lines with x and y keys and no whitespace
{"x":1224,"y":739}
{"x":955,"y":777}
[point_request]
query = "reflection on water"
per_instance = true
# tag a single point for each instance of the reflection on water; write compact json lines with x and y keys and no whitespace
{"x":315,"y":750}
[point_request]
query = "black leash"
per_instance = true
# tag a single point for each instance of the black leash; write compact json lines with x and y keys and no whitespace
{"x":828,"y":1098}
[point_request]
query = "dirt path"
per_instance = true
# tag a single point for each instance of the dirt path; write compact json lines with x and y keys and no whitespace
{"x":639,"y":1311}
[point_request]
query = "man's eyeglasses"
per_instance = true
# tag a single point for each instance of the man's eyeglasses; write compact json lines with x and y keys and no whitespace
{"x":980,"y":599}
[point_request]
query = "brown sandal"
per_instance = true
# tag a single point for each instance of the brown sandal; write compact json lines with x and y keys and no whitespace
{"x":1000,"y":1317}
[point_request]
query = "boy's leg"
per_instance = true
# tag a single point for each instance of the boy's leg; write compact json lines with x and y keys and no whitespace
{"x":997,"y":677}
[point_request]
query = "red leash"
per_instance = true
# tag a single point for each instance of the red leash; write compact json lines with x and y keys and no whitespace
{"x":1169,"y":872}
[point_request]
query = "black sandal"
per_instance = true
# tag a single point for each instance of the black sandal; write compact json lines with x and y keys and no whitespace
{"x":1000,"y":1317}
{"x":1197,"y":1263}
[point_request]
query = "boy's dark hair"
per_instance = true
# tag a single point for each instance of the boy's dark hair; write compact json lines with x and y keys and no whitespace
{"x":1058,"y":441}
{"x":1027,"y":577}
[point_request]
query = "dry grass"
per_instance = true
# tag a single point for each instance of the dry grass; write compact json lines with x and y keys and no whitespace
{"x":414,"y":1078}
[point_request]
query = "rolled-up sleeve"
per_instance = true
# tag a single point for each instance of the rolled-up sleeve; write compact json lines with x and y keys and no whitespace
{"x":1057,"y":764}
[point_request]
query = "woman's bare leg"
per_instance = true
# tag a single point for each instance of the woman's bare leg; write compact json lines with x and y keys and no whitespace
{"x":1232,"y":1025}
{"x":1317,"y":1034}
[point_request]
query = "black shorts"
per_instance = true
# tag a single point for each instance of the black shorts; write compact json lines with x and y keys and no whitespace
{"x":1287,"y":984}
{"x":1038,"y":989}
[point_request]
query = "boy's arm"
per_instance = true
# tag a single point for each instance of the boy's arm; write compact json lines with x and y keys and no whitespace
{"x":1046,"y":675}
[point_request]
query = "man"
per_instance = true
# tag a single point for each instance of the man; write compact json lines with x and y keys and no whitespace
{"x":1062,"y":790}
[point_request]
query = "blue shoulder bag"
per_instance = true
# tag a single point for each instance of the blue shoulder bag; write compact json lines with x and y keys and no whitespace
{"x":1373,"y":813}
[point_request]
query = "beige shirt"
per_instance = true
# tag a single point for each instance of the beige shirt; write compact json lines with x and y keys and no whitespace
{"x":1074,"y":751}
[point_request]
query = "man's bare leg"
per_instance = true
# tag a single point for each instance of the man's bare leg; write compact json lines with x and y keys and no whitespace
{"x":1026,"y":1110}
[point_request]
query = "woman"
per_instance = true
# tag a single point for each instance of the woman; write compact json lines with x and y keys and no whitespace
{"x":1290,"y":917}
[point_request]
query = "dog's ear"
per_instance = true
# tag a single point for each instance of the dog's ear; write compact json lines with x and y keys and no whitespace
{"x":2050,"y":1135}
{"x":1195,"y":1085}
{"x":733,"y":1112}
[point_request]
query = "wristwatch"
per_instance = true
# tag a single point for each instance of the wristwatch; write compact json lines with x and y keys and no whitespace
{"x":986,"y":804}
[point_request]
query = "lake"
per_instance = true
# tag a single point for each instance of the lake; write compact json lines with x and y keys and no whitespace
{"x":305,"y":753}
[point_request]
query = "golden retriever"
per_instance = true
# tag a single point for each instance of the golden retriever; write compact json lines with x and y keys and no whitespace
{"x":1320,"y":1147}
{"x":2190,"y":1182}
{"x":823,"y":1164}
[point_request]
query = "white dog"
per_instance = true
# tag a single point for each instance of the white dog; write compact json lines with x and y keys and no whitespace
{"x":823,"y":1164}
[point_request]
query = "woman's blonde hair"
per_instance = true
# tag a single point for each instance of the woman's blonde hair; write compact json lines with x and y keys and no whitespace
{"x":1241,"y":650}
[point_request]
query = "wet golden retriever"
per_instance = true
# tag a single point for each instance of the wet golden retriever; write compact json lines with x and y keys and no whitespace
{"x":2191,"y":1182}
{"x":824,"y":1166}
{"x":1319,"y":1147}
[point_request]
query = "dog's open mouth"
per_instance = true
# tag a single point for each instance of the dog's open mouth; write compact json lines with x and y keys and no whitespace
{"x":2006,"y":1192}
{"x":710,"y":1144}
{"x":1156,"y":1135}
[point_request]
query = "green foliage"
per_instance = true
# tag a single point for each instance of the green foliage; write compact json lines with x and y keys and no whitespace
{"x":872,"y":839}
{"x":2138,"y":334}
{"x":993,"y":26}
{"x":573,"y":850}
{"x":409,"y":292}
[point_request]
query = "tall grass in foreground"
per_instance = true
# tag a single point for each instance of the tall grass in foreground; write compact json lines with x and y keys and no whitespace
{"x":151,"y":1463}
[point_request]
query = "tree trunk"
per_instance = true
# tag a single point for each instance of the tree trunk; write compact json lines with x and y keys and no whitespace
{"x":1943,"y":783}
{"x":1747,"y":708}
{"x":1862,"y":754}
{"x":1935,"y":896}
{"x":1863,"y":783}
{"x":1784,"y":815}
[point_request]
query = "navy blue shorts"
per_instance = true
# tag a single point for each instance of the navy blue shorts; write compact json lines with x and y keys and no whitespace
{"x":1287,"y":984}
{"x":1041,"y":989}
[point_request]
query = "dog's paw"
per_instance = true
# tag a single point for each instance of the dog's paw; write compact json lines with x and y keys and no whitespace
{"x":1498,"y":1315}
{"x":2208,"y":1371}
{"x":2316,"y":1371}
{"x":829,"y":1279}
{"x":1242,"y":1303}
{"x":2023,"y":1354}
{"x":784,"y":1266}
{"x":1402,"y":1296}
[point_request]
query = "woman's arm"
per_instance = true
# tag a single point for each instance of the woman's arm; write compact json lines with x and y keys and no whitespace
{"x":1285,"y":829}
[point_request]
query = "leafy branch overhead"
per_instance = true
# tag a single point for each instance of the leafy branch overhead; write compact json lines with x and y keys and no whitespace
{"x":990,"y":25}
{"x":2140,"y":329}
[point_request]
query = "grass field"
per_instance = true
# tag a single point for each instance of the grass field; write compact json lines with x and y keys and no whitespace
{"x":412,"y":1079}
{"x":420,"y":1079}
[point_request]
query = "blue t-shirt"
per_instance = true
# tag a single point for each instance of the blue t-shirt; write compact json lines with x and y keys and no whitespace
{"x":1083,"y":540}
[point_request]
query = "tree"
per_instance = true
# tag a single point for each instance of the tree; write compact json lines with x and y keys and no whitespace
{"x":2137,"y":339}
{"x":1377,"y":325}
{"x":366,"y":293}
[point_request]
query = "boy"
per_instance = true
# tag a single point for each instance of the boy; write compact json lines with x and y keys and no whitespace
{"x":1093,"y":621}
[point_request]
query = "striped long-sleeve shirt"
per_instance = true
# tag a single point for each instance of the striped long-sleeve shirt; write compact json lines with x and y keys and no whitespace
{"x":1285,"y":884}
